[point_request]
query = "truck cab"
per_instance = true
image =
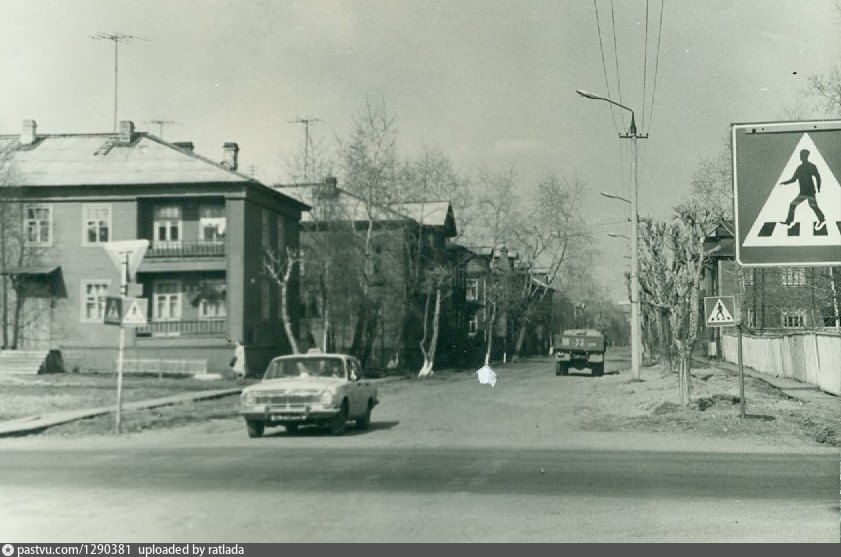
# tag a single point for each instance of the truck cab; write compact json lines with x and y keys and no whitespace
{"x":579,"y":349}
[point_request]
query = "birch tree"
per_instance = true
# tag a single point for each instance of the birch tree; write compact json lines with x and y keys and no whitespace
{"x":280,"y":269}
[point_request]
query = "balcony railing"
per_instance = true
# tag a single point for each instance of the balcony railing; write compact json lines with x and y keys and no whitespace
{"x":187,"y":249}
{"x":182,"y":328}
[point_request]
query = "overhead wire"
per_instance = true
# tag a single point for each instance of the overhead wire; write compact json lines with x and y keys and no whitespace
{"x":644,"y":69}
{"x":604,"y":64}
{"x":616,"y":54}
{"x":656,"y":64}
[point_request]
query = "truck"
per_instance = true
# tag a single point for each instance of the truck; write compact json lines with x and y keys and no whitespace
{"x":579,"y":349}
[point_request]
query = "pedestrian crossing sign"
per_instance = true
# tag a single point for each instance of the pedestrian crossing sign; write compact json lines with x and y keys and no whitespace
{"x":135,"y":315}
{"x":113,"y":310}
{"x":129,"y":312}
{"x":787,"y":195}
{"x":720,"y":311}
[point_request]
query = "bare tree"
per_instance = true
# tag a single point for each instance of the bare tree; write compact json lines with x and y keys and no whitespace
{"x":552,"y":230}
{"x":370,"y":164}
{"x":280,"y":268}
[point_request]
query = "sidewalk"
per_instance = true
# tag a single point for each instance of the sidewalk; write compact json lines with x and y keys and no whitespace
{"x":791,"y":387}
{"x":35,"y":424}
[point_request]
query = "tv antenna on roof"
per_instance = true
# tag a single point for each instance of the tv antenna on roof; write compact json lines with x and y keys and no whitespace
{"x":117,"y":38}
{"x":306,"y":122}
{"x":161,"y":124}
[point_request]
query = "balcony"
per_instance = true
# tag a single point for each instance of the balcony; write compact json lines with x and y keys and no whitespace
{"x":186,"y":249}
{"x":215,"y":327}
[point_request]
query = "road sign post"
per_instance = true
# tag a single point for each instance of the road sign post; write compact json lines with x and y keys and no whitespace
{"x":723,"y":311}
{"x":126,"y":255}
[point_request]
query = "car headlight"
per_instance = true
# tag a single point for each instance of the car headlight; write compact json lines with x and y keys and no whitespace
{"x":326,"y":398}
{"x":248,"y":399}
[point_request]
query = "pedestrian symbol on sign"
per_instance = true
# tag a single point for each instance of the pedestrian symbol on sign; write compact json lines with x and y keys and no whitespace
{"x":785,"y":220}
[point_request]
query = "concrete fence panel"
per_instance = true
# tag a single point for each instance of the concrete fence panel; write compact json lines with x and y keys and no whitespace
{"x":813,"y":358}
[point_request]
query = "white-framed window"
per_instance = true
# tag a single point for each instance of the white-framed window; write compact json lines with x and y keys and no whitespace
{"x":472,"y":291}
{"x":794,"y":319}
{"x":473,"y":325}
{"x":793,"y":276}
{"x":96,"y":222}
{"x":748,"y":277}
{"x":212,"y":305}
{"x":38,"y":224}
{"x":166,"y":300}
{"x":212,"y":223}
{"x":750,"y":318}
{"x":93,"y":300}
{"x":265,"y":299}
{"x":167,"y":225}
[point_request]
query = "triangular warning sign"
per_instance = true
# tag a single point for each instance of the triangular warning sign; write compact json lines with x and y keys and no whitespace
{"x":113,"y":313}
{"x":772,"y":229}
{"x":720,"y":314}
{"x":136,"y":312}
{"x":131,"y":250}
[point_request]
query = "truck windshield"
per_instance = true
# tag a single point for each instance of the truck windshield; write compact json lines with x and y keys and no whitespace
{"x":306,"y":367}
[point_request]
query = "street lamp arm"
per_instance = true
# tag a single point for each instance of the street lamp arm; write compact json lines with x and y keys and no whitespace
{"x":595,"y":97}
{"x":614,"y":196}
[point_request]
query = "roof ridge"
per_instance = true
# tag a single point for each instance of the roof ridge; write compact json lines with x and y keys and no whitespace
{"x":199,"y":157}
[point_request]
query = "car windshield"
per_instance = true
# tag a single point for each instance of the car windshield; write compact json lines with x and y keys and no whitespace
{"x":305,"y":367}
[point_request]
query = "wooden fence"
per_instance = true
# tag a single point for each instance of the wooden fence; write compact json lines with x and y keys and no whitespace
{"x":810,"y":357}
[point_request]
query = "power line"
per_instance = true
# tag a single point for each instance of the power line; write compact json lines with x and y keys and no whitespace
{"x":656,"y":65}
{"x":616,"y":52}
{"x":644,"y":68}
{"x":116,"y":38}
{"x":604,"y":64}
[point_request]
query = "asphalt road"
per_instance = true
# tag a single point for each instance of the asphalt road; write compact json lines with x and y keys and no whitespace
{"x":445,"y":461}
{"x":274,"y":492}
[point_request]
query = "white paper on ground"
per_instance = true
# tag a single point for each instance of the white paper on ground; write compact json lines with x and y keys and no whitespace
{"x":487,"y":376}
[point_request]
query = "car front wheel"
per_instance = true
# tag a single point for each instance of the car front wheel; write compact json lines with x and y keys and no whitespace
{"x":364,"y":421}
{"x":255,"y":429}
{"x":339,"y":422}
{"x":561,"y":369}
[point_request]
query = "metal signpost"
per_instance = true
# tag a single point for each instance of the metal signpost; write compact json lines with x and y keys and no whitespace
{"x":723,"y":311}
{"x":786,"y":197}
{"x":123,"y":311}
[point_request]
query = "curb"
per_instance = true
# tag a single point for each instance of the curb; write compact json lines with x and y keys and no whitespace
{"x":36,"y":424}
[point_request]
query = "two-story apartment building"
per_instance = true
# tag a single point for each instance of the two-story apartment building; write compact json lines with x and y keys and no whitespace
{"x":208,"y":226}
{"x":351,"y":244}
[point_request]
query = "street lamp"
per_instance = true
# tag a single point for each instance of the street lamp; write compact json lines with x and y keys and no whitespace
{"x":612,"y":235}
{"x":635,"y":295}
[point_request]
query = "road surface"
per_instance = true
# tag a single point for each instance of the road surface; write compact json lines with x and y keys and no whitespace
{"x":449,"y":461}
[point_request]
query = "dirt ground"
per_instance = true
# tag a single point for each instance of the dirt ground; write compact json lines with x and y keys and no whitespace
{"x":653,"y":406}
{"x":32,"y":395}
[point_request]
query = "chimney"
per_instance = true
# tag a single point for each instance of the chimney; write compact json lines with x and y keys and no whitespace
{"x":331,"y":181}
{"x":185,"y":145}
{"x":329,"y":189}
{"x":231,"y":151}
{"x":27,"y":134}
{"x":126,"y":132}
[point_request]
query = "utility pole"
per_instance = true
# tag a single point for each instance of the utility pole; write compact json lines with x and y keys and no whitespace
{"x":635,"y":288}
{"x":306,"y":122}
{"x":160,"y":124}
{"x":117,"y":38}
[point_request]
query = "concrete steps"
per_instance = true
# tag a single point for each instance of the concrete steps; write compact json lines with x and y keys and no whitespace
{"x":21,"y":362}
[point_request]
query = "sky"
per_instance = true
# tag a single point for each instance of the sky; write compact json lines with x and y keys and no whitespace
{"x":491,"y":84}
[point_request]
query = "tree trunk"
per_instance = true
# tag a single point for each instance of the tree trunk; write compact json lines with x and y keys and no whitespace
{"x":426,"y":368}
{"x":287,"y":323}
{"x":436,"y":328}
{"x":521,"y":337}
{"x":490,"y":335}
{"x":684,"y":382}
{"x":325,"y":308}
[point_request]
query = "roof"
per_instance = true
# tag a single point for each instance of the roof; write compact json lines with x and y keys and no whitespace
{"x":31,"y":270}
{"x":430,"y":213}
{"x":348,"y":205}
{"x":99,"y":159}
